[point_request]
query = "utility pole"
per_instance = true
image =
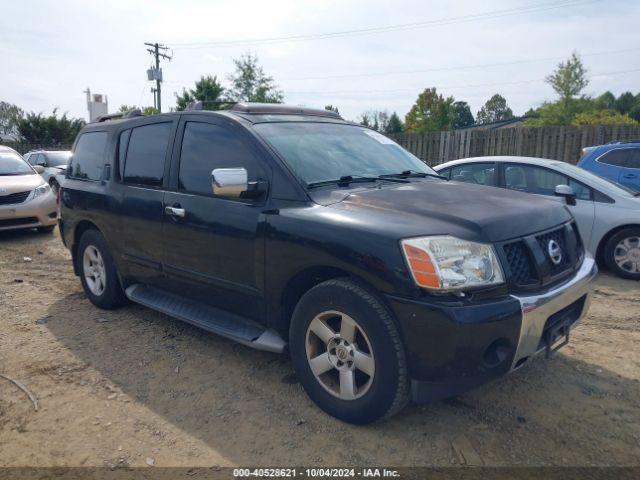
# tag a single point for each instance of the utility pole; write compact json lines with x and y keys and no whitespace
{"x":156,"y":74}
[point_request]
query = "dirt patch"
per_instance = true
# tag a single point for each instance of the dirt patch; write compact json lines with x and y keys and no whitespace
{"x":132,"y":385}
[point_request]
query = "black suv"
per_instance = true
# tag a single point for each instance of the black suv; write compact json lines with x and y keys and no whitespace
{"x":290,"y":229}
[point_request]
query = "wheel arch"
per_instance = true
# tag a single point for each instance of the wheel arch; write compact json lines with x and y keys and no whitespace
{"x":302,"y":282}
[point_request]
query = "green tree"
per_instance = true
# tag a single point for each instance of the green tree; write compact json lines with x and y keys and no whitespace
{"x":635,"y":110}
{"x":37,"y":128}
{"x":495,"y":110}
{"x":249,"y":83}
{"x":150,"y":111}
{"x":126,"y":108}
{"x":394,"y":125}
{"x":431,"y":112}
{"x":207,"y":90}
{"x":560,"y":113}
{"x":462,"y":116}
{"x":10,"y":116}
{"x":625,"y":102}
{"x":603,"y":117}
{"x":569,"y":78}
{"x":606,"y":101}
{"x":331,"y":108}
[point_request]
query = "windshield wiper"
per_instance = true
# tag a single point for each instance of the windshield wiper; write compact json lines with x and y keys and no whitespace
{"x":413,"y":173}
{"x":345,"y":180}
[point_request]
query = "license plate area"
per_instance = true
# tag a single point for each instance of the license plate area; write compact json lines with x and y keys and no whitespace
{"x":555,"y":334}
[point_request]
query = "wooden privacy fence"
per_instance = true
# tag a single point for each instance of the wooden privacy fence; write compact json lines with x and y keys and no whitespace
{"x":558,"y":143}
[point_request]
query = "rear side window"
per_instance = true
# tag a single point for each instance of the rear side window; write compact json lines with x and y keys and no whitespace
{"x":620,"y":157}
{"x":480,"y":173}
{"x":206,"y":147}
{"x":88,"y":157}
{"x":145,"y":158}
{"x":634,"y":162}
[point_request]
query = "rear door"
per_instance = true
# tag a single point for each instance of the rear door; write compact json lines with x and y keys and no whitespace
{"x":215,"y":252}
{"x":138,"y":196}
{"x":630,"y":174}
{"x":543,"y":181}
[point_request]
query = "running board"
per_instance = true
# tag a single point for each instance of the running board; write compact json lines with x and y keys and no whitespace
{"x":208,"y":318}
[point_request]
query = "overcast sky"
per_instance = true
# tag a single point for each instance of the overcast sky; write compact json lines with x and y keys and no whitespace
{"x":52,"y":51}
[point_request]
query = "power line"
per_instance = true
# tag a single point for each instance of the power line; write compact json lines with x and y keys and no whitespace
{"x":452,"y":68}
{"x":438,"y":69}
{"x":451,"y":87}
{"x":156,"y":74}
{"x":387,"y":28}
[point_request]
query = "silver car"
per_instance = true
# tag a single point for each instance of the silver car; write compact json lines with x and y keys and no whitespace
{"x":54,"y":163}
{"x":607,"y":214}
{"x":26,"y":200}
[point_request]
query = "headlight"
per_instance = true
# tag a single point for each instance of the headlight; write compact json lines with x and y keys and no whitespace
{"x":41,"y":190}
{"x":449,"y":263}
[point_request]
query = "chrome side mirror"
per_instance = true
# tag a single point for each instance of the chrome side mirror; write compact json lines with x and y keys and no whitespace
{"x":567,"y":192}
{"x":229,"y":182}
{"x":38,"y":168}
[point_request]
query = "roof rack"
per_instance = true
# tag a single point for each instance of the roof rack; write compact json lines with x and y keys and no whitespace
{"x":200,"y":104}
{"x":115,"y":116}
{"x":613,"y":142}
{"x":281,"y":109}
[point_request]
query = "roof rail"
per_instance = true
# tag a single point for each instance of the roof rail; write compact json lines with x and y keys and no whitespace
{"x":613,"y":142}
{"x":200,"y":104}
{"x":115,"y":116}
{"x":281,"y":109}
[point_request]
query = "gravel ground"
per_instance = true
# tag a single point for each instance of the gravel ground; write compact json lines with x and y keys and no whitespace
{"x":134,"y":387}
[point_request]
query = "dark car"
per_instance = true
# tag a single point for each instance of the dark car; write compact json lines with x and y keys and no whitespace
{"x":291,"y":230}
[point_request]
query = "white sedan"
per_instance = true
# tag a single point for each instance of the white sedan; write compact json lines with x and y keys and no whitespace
{"x":607,"y":214}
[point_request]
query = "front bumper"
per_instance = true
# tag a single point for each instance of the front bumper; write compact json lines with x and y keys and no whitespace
{"x":38,"y":212}
{"x":454,"y":346}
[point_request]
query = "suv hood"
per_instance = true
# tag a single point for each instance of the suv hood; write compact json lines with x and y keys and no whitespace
{"x":431,"y":207}
{"x":19,"y":183}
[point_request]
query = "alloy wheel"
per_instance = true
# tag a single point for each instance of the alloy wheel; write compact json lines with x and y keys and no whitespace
{"x":94,"y":271}
{"x":340,"y":355}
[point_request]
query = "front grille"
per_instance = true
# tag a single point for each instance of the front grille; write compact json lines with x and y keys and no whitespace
{"x":14,"y":198}
{"x":16,"y":222}
{"x":522,"y":270}
{"x":528,"y":263}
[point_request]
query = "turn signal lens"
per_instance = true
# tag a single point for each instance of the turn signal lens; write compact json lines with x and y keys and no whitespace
{"x":449,"y":263}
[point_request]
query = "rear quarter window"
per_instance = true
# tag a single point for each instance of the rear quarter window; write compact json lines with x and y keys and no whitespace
{"x":88,"y":156}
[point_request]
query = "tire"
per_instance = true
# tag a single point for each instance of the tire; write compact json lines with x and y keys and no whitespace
{"x":53,"y":183}
{"x":624,"y":244}
{"x":101,"y":284}
{"x":374,"y":354}
{"x":48,"y":229}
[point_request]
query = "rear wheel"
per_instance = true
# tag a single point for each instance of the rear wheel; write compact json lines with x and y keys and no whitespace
{"x":347,"y":352}
{"x":622,"y":253}
{"x":98,"y":272}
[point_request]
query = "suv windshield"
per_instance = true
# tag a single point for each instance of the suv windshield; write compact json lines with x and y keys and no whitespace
{"x":57,"y":159}
{"x":321,"y":152}
{"x":12,"y":164}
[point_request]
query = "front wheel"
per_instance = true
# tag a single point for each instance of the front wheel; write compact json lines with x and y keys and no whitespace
{"x":622,"y":253}
{"x":347,"y":352}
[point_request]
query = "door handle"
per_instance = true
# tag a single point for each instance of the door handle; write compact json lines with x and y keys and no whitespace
{"x":174,"y":211}
{"x":630,"y":175}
